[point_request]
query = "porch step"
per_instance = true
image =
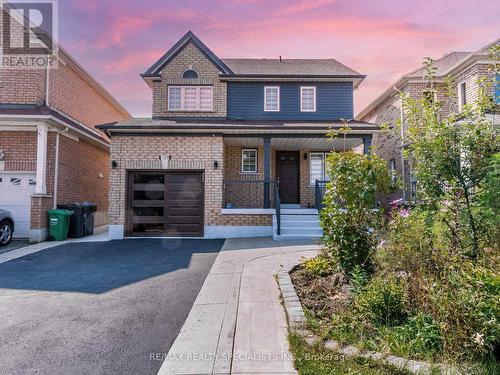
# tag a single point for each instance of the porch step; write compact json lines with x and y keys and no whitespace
{"x":288,"y":205}
{"x":303,"y":231}
{"x":298,"y":224}
{"x":299,"y":211}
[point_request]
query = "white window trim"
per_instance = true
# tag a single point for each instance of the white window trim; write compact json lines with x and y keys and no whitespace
{"x":314,"y":100}
{"x":460,"y":96}
{"x":265,"y":99}
{"x":324,"y":156}
{"x":198,"y":99}
{"x":256,"y":160}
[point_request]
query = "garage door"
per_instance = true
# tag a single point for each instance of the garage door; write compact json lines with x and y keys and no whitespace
{"x":16,"y":190}
{"x":165,"y":204}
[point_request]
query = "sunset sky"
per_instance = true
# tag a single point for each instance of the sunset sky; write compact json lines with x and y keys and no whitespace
{"x":117,"y":40}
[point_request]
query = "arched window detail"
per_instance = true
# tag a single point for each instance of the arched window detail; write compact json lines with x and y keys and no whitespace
{"x":190,"y":74}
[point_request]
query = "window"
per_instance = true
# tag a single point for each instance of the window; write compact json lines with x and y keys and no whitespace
{"x":271,"y":99}
{"x":392,"y":170}
{"x":190,"y":98}
{"x":317,"y":167}
{"x":15,"y":181}
{"x":249,"y":160}
{"x":308,"y":99}
{"x":190,"y":74}
{"x":497,"y":89}
{"x":462,"y":95}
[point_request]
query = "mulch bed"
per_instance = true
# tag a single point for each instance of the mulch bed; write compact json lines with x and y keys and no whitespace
{"x":321,"y":295}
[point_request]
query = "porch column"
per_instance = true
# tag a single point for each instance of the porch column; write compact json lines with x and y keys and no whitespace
{"x":41,"y":159}
{"x":267,"y":171}
{"x":367,"y":143}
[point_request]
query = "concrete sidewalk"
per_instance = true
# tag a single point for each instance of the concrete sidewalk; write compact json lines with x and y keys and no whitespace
{"x":237,"y":324}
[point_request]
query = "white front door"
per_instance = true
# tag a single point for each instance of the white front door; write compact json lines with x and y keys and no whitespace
{"x":16,"y":190}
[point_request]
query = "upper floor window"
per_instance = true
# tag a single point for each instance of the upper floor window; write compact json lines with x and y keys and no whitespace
{"x":308,"y":99}
{"x":271,"y":98}
{"x":190,"y":74}
{"x":190,"y":98}
{"x":462,"y":95}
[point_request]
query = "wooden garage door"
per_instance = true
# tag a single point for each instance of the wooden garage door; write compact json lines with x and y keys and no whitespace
{"x":165,"y":204}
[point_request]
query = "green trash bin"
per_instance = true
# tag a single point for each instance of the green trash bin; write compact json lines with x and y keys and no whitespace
{"x":59,"y":224}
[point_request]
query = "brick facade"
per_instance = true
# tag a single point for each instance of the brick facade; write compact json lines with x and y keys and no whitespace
{"x":388,"y":144}
{"x":250,"y":195}
{"x":190,"y":57}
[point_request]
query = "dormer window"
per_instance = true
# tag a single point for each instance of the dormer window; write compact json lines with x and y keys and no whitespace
{"x":271,"y":98}
{"x":190,"y":98}
{"x":190,"y":74}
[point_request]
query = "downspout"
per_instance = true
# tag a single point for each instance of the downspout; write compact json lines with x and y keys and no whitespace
{"x":56,"y":167}
{"x":47,"y":85}
{"x":402,"y":146}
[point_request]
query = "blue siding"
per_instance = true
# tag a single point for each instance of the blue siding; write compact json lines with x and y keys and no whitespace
{"x":245,"y":101}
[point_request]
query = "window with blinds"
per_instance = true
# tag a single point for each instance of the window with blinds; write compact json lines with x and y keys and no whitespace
{"x":308,"y":99}
{"x":190,"y":98}
{"x":318,"y":167}
{"x":271,"y":98}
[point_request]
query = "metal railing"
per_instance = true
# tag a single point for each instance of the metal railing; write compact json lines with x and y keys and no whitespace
{"x":277,"y":204}
{"x":249,"y":192}
{"x":319,"y":189}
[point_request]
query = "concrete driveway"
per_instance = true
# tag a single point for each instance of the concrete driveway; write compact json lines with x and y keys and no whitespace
{"x":99,"y":308}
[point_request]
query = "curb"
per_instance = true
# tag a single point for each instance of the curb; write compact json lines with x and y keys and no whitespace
{"x":297,"y":325}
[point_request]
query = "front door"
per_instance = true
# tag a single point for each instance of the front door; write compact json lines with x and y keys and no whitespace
{"x":287,"y":170}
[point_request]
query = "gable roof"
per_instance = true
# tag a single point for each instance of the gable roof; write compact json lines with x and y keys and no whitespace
{"x":449,"y":64}
{"x":189,"y":37}
{"x":290,"y":67}
{"x":274,"y":68}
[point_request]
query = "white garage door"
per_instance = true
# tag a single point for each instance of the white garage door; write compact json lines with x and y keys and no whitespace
{"x":16,"y":190}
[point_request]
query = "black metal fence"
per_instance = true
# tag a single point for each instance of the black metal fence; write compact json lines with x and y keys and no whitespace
{"x":320,"y":189}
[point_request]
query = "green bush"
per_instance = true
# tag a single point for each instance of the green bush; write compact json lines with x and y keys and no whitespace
{"x":383,"y":301}
{"x":348,"y":218}
{"x":420,"y":335}
{"x":320,"y":265}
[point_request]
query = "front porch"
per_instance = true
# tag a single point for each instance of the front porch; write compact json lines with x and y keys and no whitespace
{"x":259,"y":170}
{"x":282,"y":176}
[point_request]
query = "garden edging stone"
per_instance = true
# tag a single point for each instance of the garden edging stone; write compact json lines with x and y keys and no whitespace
{"x":297,"y":325}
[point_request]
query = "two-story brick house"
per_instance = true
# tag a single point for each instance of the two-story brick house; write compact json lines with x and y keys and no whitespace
{"x":234,"y":145}
{"x":50,"y":150}
{"x":467,"y":70}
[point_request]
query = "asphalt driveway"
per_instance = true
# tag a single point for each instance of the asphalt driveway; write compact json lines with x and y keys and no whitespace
{"x":99,"y":308}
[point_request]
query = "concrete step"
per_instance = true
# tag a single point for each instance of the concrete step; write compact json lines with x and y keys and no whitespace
{"x":299,"y":211}
{"x":287,"y":206}
{"x":285,"y":237}
{"x":314,"y":232}
{"x":298,"y":224}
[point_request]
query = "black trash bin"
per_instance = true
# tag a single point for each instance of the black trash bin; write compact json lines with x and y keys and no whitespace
{"x":77,"y":221}
{"x":90,"y":210}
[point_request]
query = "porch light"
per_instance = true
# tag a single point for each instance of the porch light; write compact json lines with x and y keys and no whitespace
{"x":305,"y":156}
{"x":216,"y":164}
{"x":114,"y":164}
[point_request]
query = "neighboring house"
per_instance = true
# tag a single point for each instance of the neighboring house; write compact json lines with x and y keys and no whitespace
{"x":50,"y":151}
{"x":223,"y":132}
{"x":466,"y":69}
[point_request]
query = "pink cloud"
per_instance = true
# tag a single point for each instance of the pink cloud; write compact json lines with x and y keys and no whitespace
{"x":383,"y":39}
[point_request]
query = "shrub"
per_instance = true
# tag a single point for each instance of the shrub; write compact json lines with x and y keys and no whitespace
{"x":383,"y":301}
{"x":420,"y":335}
{"x":320,"y":265}
{"x":348,"y":218}
{"x":359,"y":278}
